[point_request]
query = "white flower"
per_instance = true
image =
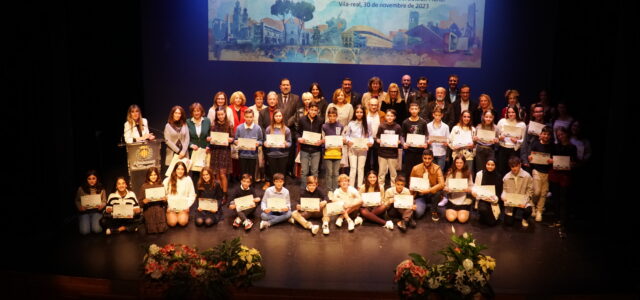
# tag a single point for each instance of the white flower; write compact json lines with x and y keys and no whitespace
{"x":468,"y":264}
{"x":459,"y":274}
{"x":465,"y":290}
{"x":453,"y":229}
{"x":433,"y":283}
{"x":465,"y":235}
{"x":153,"y":249}
{"x":472,"y":244}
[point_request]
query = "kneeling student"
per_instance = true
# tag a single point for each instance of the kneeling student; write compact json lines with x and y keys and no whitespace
{"x":405,"y":214}
{"x":302,"y":216}
{"x":352,"y":202}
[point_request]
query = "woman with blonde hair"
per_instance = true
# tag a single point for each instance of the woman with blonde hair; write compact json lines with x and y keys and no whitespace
{"x":136,"y":128}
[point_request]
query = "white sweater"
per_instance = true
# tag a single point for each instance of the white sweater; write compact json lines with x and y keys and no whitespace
{"x":184,"y":189}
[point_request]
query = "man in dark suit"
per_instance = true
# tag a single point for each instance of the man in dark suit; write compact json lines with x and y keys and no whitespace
{"x":453,"y":91}
{"x":447,"y":108}
{"x":287,"y":101}
{"x":351,"y":96}
{"x":421,"y":96}
{"x":464,"y":103}
{"x":406,"y":89}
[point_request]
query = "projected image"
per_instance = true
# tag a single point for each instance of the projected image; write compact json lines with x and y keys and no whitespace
{"x":438,"y":33}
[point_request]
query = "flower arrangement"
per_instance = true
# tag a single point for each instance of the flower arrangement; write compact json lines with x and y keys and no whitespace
{"x":181,"y":270}
{"x":465,"y":272}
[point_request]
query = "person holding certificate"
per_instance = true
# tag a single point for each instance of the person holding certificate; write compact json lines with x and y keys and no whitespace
{"x":302,"y":214}
{"x":389,"y":136}
{"x":154,"y":202}
{"x":461,"y":140}
{"x":248,"y":153}
{"x":487,"y":202}
{"x":402,"y":211}
{"x":517,"y":185}
{"x":373,"y":213}
{"x":359,"y":140}
{"x":176,"y":134}
{"x":90,"y":210}
{"x":458,"y":187}
{"x":352,"y":202}
{"x":199,"y":128}
{"x":332,"y":132}
{"x":560,"y":178}
{"x":437,"y":128}
{"x":540,"y":158}
{"x":180,"y":195}
{"x":220,"y":101}
{"x":220,"y":151}
{"x":433,"y":194}
{"x":532,"y":133}
{"x":510,"y":135}
{"x":122,"y":212}
{"x":486,"y":138}
{"x":276,"y":144}
{"x":244,"y":201}
{"x":276,"y":204}
{"x":309,"y":150}
{"x":416,"y":126}
{"x":209,"y":196}
{"x":136,"y":128}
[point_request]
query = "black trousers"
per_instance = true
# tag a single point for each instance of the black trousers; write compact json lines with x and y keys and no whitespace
{"x":247,"y":166}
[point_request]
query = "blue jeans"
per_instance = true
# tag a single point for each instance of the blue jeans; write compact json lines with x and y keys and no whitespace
{"x":89,"y":222}
{"x":440,"y":161}
{"x":309,"y":165}
{"x":423,"y":200}
{"x":274,"y":219}
{"x":331,"y":173}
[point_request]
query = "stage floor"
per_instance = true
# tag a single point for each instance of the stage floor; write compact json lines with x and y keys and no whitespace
{"x":534,"y":261}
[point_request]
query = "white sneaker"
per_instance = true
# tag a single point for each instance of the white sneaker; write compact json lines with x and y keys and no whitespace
{"x":263,"y":225}
{"x":525,"y":224}
{"x":339,"y":221}
{"x":325,"y":228}
{"x":538,"y":216}
{"x":358,"y":220}
{"x":443,"y":202}
{"x":108,"y":231}
{"x":388,"y":225}
{"x":351,"y":225}
{"x":292,"y":221}
{"x":315,"y":229}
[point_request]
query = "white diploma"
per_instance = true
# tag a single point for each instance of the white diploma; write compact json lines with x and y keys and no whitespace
{"x":277,"y":204}
{"x":155,"y":194}
{"x":403,"y":201}
{"x":311,"y":138}
{"x":198,"y":159}
{"x":512,"y":131}
{"x":486,"y":135}
{"x":561,"y":162}
{"x":485,"y":191}
{"x":437,"y":139}
{"x":332,"y":141}
{"x":360,"y":143}
{"x":371,"y":199}
{"x":540,"y":158}
{"x":245,"y":202}
{"x":335,"y":208}
{"x":122,"y":211}
{"x":416,"y":140}
{"x":247,"y":144}
{"x":275,"y":141}
{"x":310,"y":204}
{"x":91,"y":201}
{"x":419,"y":184}
{"x":535,"y":128}
{"x":515,"y":200}
{"x":177,"y":203}
{"x":174,"y":160}
{"x":220,"y":138}
{"x":208,"y":204}
{"x":389,"y":140}
{"x":457,"y":184}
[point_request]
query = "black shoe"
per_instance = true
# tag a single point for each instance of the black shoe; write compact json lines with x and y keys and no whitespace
{"x":412,"y":223}
{"x":402,"y":226}
{"x":435,"y":216}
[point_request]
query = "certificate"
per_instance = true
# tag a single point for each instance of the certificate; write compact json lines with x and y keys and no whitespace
{"x":275,"y":141}
{"x":535,"y":128}
{"x":486,"y":135}
{"x":277,"y":204}
{"x":419,"y":184}
{"x":416,"y":140}
{"x":486,"y":191}
{"x":155,"y":194}
{"x":437,"y":139}
{"x":512,"y":131}
{"x":360,"y":143}
{"x":208,"y":204}
{"x":332,"y":141}
{"x":220,"y":138}
{"x":177,"y":203}
{"x":335,"y":208}
{"x":175,"y":160}
{"x":244,"y":203}
{"x":311,"y":138}
{"x":561,"y":162}
{"x":403,"y":201}
{"x":515,"y":200}
{"x":389,"y":140}
{"x":540,"y":158}
{"x":91,"y":201}
{"x":247,"y":144}
{"x":371,"y":199}
{"x":198,"y":159}
{"x":310,"y":204}
{"x":122,"y":211}
{"x":458,"y":184}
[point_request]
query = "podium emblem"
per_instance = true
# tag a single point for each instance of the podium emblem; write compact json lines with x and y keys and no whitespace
{"x":144,"y":153}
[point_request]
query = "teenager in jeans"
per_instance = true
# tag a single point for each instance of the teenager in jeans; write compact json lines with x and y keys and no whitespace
{"x":357,"y":128}
{"x":272,"y":217}
{"x":302,"y":216}
{"x":89,"y":218}
{"x":309,"y":153}
{"x":249,"y":130}
{"x":432,"y":172}
{"x":388,"y":154}
{"x":332,"y":156}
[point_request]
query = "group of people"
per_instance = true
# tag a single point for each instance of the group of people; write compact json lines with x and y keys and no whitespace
{"x":499,"y":168}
